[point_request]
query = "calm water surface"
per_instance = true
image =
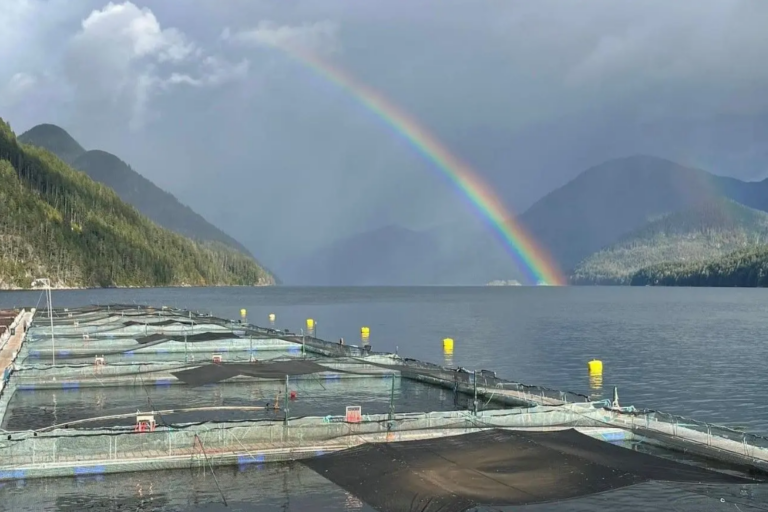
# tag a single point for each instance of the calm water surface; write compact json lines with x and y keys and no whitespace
{"x":695,"y":352}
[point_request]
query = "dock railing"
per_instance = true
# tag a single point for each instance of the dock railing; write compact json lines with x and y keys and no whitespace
{"x":259,"y":441}
{"x":674,"y":429}
{"x":697,"y":436}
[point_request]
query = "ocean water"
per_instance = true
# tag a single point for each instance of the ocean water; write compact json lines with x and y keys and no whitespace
{"x":695,"y":352}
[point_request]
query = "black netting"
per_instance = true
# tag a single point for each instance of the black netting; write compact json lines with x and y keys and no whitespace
{"x":212,"y":373}
{"x":414,"y":368}
{"x":496,"y":468}
{"x":161,"y":323}
{"x":191,"y":338}
{"x":142,"y":340}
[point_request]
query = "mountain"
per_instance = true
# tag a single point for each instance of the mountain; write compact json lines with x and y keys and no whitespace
{"x":397,"y":256}
{"x":55,"y":139}
{"x":133,"y":188}
{"x":753,"y":194}
{"x":58,"y":223}
{"x":707,"y":231}
{"x":607,"y":223}
{"x":743,"y":268}
{"x":592,"y":211}
{"x":154,"y":202}
{"x":611,"y":200}
{"x":348,"y":262}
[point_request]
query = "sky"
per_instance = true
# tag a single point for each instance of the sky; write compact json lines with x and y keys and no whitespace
{"x":198,"y":96}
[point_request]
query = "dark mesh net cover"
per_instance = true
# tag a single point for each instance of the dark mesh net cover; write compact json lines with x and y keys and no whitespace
{"x":191,"y":338}
{"x":211,"y":373}
{"x":496,"y":468}
{"x":161,"y":323}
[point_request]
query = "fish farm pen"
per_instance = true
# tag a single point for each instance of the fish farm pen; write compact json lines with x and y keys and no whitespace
{"x":116,"y":388}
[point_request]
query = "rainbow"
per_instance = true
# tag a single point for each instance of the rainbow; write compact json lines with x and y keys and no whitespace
{"x":531,"y":258}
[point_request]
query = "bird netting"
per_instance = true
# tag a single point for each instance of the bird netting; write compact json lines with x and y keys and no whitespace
{"x":212,"y":373}
{"x":496,"y":468}
{"x":191,"y":338}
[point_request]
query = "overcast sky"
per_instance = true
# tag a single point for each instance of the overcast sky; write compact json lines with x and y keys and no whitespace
{"x":198,"y":96}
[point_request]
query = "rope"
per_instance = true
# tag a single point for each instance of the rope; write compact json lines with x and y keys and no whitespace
{"x":149,"y":400}
{"x":216,"y":480}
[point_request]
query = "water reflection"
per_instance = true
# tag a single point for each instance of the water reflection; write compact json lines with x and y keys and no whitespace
{"x":666,"y":334}
{"x":253,"y":488}
{"x":596,"y":387}
{"x":352,"y":502}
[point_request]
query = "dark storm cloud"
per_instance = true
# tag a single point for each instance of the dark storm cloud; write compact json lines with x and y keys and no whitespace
{"x":529,"y":93}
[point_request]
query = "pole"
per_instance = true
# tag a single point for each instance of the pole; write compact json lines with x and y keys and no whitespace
{"x":50,"y":314}
{"x":286,"y":400}
{"x":391,"y":422}
{"x":474,"y":380}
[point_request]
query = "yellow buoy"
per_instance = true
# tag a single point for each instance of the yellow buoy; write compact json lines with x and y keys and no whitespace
{"x":271,"y":317}
{"x":310,"y":324}
{"x":242,"y":313}
{"x":595,"y":367}
{"x":448,"y":345}
{"x":365,"y":331}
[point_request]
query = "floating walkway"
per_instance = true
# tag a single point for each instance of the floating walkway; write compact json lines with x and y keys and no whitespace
{"x":69,"y":453}
{"x":11,"y":342}
{"x":223,"y":353}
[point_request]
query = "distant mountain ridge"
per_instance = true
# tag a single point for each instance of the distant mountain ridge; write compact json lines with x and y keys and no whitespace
{"x":610,"y":200}
{"x":55,"y":139}
{"x":709,"y":230}
{"x":347,"y":261}
{"x":154,"y":202}
{"x":600,"y":207}
{"x":743,"y":268}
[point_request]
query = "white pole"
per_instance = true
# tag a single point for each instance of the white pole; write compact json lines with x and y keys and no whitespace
{"x":50,"y":314}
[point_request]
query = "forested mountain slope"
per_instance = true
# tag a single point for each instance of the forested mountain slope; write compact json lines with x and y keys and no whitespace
{"x":133,"y":188}
{"x":58,"y":223}
{"x":704,"y":232}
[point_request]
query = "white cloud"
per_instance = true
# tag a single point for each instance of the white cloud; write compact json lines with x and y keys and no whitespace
{"x":677,"y":43}
{"x":122,"y":58}
{"x":215,"y":72}
{"x":16,"y":88}
{"x":321,"y":36}
{"x":134,"y":32}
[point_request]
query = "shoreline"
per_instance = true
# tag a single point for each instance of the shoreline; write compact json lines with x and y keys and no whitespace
{"x":71,"y":288}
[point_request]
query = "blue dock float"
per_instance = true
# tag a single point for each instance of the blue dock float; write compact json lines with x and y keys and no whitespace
{"x":613,"y":436}
{"x":16,"y":474}
{"x":248,"y":459}
{"x":89,"y":470}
